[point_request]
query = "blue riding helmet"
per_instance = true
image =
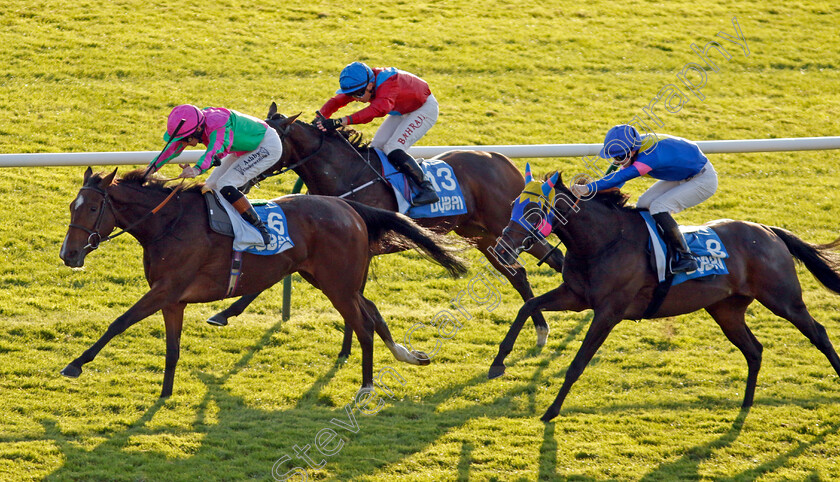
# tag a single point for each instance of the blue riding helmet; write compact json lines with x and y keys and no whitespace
{"x":354,"y":77}
{"x":620,"y":140}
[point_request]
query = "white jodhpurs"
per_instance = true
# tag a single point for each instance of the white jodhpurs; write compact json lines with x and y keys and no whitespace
{"x":402,"y":131}
{"x":236,"y":170}
{"x":675,"y":196}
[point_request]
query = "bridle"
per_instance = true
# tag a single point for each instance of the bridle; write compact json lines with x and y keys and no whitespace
{"x":528,"y":238}
{"x":284,"y":132}
{"x":94,"y":238}
{"x":527,"y":234}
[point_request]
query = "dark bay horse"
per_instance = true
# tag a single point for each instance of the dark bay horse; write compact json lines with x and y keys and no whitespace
{"x":607,"y":270}
{"x":329,"y":165}
{"x":185,"y":262}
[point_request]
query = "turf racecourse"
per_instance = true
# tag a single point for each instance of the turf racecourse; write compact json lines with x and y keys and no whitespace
{"x":255,"y":400}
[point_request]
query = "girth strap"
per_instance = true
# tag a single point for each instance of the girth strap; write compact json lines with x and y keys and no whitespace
{"x":235,"y":271}
{"x":659,"y":294}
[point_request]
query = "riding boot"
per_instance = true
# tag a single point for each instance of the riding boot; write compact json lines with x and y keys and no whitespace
{"x":244,"y":208}
{"x":408,"y":166}
{"x":675,"y":240}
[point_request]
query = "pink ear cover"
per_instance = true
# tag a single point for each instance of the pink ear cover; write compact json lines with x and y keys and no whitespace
{"x":544,"y":228}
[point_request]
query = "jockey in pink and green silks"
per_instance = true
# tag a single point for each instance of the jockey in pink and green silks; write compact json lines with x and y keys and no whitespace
{"x":242,"y":147}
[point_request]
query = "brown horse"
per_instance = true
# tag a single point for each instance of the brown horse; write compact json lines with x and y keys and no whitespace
{"x":330,"y":165}
{"x":185,"y":262}
{"x":607,"y":269}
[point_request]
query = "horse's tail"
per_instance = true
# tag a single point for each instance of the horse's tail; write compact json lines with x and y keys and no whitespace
{"x":400,"y":231}
{"x":822,"y":260}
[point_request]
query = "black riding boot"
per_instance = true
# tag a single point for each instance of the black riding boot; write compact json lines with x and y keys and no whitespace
{"x":675,"y":240}
{"x":408,"y":166}
{"x":244,"y":208}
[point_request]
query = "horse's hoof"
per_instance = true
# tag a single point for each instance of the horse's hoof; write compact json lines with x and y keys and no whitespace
{"x":549,"y":415}
{"x":342,"y":357}
{"x":496,"y":371}
{"x":217,"y":320}
{"x":542,"y":336}
{"x":71,"y":371}
{"x":422,"y":358}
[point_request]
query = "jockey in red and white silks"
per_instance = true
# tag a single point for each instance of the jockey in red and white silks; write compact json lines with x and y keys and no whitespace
{"x":404,"y":98}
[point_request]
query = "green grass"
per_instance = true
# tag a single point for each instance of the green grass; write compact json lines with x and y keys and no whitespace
{"x":661,"y":399}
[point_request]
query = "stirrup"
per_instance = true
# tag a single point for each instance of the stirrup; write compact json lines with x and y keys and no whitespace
{"x":424,"y":197}
{"x":686,"y":264}
{"x":266,"y":236}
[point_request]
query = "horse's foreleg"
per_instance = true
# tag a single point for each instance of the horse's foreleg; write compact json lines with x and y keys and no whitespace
{"x":236,"y":309}
{"x":595,"y":336}
{"x":519,"y":280}
{"x":150,"y":303}
{"x":558,"y":299}
{"x":173,"y":317}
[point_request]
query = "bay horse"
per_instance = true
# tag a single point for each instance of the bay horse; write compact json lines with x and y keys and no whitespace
{"x":607,"y":269}
{"x":186,"y":262}
{"x":332,"y":165}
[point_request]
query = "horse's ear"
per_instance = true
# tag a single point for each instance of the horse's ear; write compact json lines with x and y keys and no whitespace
{"x":272,"y":110}
{"x":528,"y":176}
{"x":107,"y":180}
{"x":552,"y":181}
{"x":88,"y":173}
{"x":280,"y":122}
{"x":546,"y":188}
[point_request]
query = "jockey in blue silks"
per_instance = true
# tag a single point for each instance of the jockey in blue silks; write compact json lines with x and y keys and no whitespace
{"x":685,"y":179}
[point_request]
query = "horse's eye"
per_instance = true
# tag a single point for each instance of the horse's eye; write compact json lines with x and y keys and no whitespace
{"x":93,"y":208}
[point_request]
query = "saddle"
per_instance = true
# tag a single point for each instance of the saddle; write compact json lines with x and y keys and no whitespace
{"x":217,"y":217}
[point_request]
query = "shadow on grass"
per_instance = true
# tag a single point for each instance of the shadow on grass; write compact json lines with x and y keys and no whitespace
{"x":239,"y":442}
{"x":687,"y":466}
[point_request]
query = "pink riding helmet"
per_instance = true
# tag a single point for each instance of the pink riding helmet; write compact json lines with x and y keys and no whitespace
{"x":193,"y":119}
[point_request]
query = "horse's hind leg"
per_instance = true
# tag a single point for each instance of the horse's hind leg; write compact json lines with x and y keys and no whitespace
{"x":236,"y":309}
{"x":729,"y":315}
{"x":347,"y":340}
{"x":400,"y":352}
{"x":519,"y":279}
{"x":790,"y":306}
{"x":351,"y":308}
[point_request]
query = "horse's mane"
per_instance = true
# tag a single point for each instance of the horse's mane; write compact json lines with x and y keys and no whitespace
{"x":155,"y":182}
{"x":614,"y":198}
{"x":356,"y":138}
{"x":609,"y":197}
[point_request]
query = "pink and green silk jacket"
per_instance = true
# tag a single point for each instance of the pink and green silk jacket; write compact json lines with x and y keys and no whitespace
{"x":225,"y":132}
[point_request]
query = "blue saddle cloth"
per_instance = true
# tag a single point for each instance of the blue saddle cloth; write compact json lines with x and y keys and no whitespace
{"x":274,"y":218}
{"x":224,"y":219}
{"x":442,"y":177}
{"x":703,"y":242}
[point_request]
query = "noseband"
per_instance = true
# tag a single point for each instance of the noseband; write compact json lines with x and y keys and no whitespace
{"x":94,"y":238}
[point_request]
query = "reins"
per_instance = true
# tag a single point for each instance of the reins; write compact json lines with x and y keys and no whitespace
{"x":284,"y":132}
{"x":95,"y":239}
{"x":368,"y":164}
